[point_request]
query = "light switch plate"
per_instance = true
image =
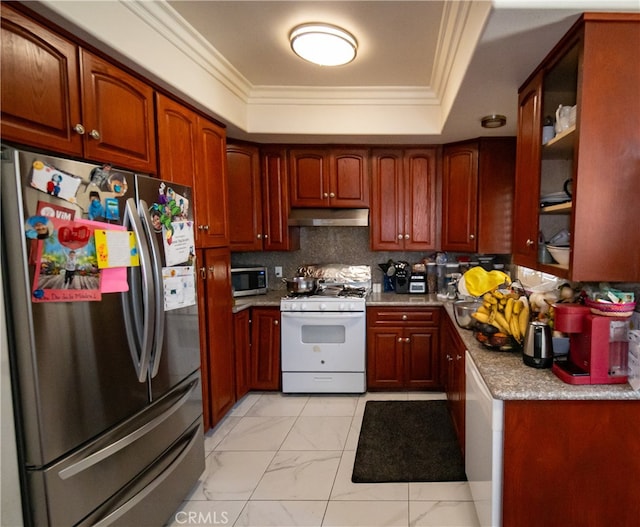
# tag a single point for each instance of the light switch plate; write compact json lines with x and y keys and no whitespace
{"x":278,"y":271}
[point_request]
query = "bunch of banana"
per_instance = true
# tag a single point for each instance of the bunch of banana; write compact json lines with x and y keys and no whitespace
{"x":507,"y":312}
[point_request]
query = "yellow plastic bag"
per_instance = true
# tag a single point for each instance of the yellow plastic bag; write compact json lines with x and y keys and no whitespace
{"x":479,"y":281}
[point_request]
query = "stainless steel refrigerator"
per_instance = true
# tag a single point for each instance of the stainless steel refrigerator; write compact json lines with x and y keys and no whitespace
{"x":105,"y":361}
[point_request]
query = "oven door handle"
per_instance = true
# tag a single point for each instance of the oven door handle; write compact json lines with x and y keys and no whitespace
{"x":322,"y":315}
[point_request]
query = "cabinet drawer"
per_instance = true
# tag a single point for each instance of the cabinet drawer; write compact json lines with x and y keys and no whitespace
{"x":409,"y":316}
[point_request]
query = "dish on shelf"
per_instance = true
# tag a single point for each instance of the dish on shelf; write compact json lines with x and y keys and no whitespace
{"x":560,"y":254}
{"x":554,"y":198}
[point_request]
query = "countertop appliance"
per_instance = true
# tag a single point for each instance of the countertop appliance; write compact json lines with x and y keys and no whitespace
{"x":249,"y":280}
{"x":483,"y":446}
{"x":323,"y":339}
{"x":537,"y":351}
{"x":401,"y":277}
{"x":105,"y":363}
{"x":418,"y":282}
{"x":598,"y":346}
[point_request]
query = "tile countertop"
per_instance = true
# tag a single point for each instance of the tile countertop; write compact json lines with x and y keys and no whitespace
{"x":506,"y":376}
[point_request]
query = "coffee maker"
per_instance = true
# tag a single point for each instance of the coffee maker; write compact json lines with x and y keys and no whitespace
{"x":598,"y":346}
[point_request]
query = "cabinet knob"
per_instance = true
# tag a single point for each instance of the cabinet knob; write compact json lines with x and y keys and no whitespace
{"x":472,"y":236}
{"x":332,"y":194}
{"x":399,"y":340}
{"x":406,"y":236}
{"x":259,"y":236}
{"x":203,"y":227}
{"x":449,"y":357}
{"x":79,"y":129}
{"x":94,"y":134}
{"x":404,"y":317}
{"x":266,"y":236}
{"x":458,"y":356}
{"x":400,"y":236}
{"x":325,"y":195}
{"x":530,"y":243}
{"x":407,"y":340}
{"x":276,"y":322}
{"x":203,"y":272}
{"x":211,"y":270}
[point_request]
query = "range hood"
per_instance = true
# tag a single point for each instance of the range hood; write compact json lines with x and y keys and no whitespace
{"x":329,"y":218}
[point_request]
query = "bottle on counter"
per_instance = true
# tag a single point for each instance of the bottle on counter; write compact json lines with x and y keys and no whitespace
{"x":432,"y":278}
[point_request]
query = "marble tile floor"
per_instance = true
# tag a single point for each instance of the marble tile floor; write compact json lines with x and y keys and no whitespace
{"x":286,"y":461}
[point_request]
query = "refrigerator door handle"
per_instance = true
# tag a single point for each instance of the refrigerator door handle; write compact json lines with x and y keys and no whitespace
{"x":156,"y":263}
{"x":191,"y":438}
{"x":139,"y":331}
{"x":125,"y":441}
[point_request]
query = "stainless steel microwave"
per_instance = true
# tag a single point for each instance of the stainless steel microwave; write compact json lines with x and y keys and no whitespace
{"x":249,"y":280}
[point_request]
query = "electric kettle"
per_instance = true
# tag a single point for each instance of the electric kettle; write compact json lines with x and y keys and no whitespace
{"x":537,"y":351}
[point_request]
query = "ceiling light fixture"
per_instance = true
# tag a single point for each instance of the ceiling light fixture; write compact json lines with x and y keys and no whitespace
{"x":493,"y":121}
{"x":323,"y":44}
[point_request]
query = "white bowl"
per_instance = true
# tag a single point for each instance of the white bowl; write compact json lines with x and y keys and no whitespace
{"x":560,"y":254}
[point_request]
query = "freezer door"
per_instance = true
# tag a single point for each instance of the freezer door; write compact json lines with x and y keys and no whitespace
{"x":70,"y":360}
{"x":105,"y":480}
{"x":163,"y":206}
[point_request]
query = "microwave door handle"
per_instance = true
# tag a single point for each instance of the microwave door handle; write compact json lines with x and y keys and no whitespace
{"x":158,"y":289}
{"x":140,"y":293}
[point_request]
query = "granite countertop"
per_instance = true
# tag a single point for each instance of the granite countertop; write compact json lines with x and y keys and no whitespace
{"x":506,"y":376}
{"x":271,"y":299}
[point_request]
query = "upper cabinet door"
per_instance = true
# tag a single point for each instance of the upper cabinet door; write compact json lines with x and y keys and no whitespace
{"x":420,"y":215}
{"x":245,"y":214}
{"x":118,"y":116}
{"x":387,"y":201}
{"x":527,"y":185}
{"x":349,"y":178}
{"x":460,"y":197}
{"x":329,"y":177}
{"x":40,"y":88}
{"x":278,"y":236}
{"x":309,"y":177}
{"x":211,"y":186}
{"x":177,"y":141}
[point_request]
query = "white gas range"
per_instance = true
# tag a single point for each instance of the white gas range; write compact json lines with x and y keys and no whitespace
{"x":323,"y":340}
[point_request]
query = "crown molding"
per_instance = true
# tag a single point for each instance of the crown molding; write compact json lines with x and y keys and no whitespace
{"x":166,"y":21}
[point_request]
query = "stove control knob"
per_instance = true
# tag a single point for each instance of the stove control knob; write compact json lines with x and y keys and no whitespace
{"x":302,"y":306}
{"x":323,"y":307}
{"x":342,"y":306}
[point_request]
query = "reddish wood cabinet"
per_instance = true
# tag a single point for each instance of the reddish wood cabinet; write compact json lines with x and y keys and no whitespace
{"x":593,"y":65}
{"x":404,"y":205}
{"x":477,"y":195}
{"x":257,"y":349}
{"x":192,"y":152}
{"x":118,"y":114}
{"x":242,"y":352}
{"x":452,"y":358}
{"x":275,"y":202}
{"x":177,"y":141}
{"x":527,"y":184}
{"x":40,"y":89}
{"x":259,"y":211}
{"x":265,"y":348}
{"x":245,"y":213}
{"x":60,"y":97}
{"x":571,"y":462}
{"x":329,"y":177}
{"x":402,"y":348}
{"x":216,"y":336}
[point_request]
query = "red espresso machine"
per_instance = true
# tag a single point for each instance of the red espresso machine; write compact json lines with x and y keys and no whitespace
{"x":598,"y":346}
